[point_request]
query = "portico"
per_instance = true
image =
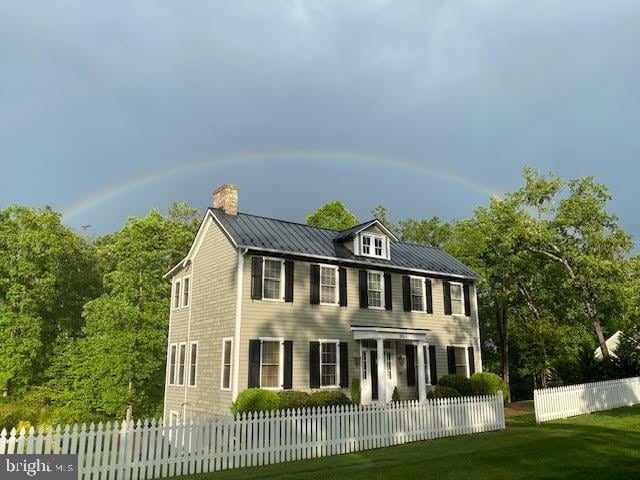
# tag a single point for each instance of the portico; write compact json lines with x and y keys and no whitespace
{"x":377,"y":360}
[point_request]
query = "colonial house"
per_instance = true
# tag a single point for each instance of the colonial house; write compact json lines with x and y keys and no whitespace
{"x":260,"y":302}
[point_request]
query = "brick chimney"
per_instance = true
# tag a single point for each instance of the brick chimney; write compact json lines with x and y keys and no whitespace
{"x":226,"y":198}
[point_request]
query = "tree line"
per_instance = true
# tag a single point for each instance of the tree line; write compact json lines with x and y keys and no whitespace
{"x":83,"y":321}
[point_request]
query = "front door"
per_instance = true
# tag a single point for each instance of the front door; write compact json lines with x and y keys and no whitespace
{"x":371,"y":391}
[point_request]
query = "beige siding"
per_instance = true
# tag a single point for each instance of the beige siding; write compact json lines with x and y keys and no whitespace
{"x":302,"y":323}
{"x":209,"y":318}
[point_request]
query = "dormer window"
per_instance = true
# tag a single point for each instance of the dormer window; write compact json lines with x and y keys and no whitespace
{"x":374,"y":245}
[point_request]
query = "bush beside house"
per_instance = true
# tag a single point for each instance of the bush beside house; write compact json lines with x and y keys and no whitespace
{"x":260,"y":400}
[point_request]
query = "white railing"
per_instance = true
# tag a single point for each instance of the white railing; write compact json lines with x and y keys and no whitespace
{"x":572,"y":400}
{"x":153,"y":449}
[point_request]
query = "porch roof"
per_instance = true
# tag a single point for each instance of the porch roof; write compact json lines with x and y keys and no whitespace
{"x":375,"y":332}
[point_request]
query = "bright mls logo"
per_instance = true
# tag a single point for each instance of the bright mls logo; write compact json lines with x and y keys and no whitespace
{"x":49,"y":467}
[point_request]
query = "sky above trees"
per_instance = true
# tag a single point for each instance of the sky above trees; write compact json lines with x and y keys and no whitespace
{"x":425,"y":107}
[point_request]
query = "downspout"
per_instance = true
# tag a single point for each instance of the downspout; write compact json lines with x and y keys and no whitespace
{"x":476,"y":313}
{"x":236,"y":337}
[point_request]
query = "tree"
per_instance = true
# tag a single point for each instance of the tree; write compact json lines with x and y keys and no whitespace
{"x":119,"y":363}
{"x":333,"y":215}
{"x":383,"y":215}
{"x":431,"y":231}
{"x":576,"y":232}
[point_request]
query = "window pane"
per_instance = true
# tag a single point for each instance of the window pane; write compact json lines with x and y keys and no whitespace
{"x":226,"y":376}
{"x":172,"y":369}
{"x":176,"y":295}
{"x":272,"y":269}
{"x":227,"y":351}
{"x":181,"y":367}
{"x":374,"y":299}
{"x":271,"y":288}
{"x":185,"y":294}
{"x":328,"y":364}
{"x":416,"y":294}
{"x":378,"y":247}
{"x":457,"y":307}
{"x":327,"y":285}
{"x":461,"y":360}
{"x":375,"y":289}
{"x":194,"y":358}
{"x":328,"y":376}
{"x":270,"y":364}
{"x":456,"y":291}
{"x":366,"y":245}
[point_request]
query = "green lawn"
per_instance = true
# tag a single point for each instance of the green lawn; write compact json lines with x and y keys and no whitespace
{"x":603,"y":446}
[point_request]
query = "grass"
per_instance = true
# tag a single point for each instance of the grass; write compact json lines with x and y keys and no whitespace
{"x":603,"y":445}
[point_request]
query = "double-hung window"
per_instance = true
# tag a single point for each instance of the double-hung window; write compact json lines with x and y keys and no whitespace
{"x":462,"y":359}
{"x":329,"y":361}
{"x":273,"y":281}
{"x":176,"y":294}
{"x":417,"y":294}
{"x":271,"y":353}
{"x":193,"y":363}
{"x":375,"y":285}
{"x":173,"y":352}
{"x":186,"y":291}
{"x":227,"y":352}
{"x":328,"y":285}
{"x":182,"y":357}
{"x":457,"y":299}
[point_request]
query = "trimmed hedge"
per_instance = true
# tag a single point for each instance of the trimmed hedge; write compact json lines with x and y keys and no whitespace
{"x":459,"y":383}
{"x":486,"y":383}
{"x":327,"y":398}
{"x":442,"y":392}
{"x":256,"y":400}
{"x":356,"y":391}
{"x":290,"y":399}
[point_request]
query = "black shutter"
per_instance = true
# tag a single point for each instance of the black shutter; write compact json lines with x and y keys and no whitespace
{"x":344,"y":364}
{"x":451,"y":359}
{"x":314,"y":364}
{"x":288,"y":281}
{"x":467,"y":300}
{"x":429,"y":292}
{"x":406,"y":293}
{"x":314,"y":290}
{"x":410,"y":351}
{"x":254,"y":364}
{"x":432,"y":365}
{"x":446,"y":288}
{"x":388,"y":301}
{"x":472,"y":362}
{"x":364,"y":289}
{"x":287,"y":383}
{"x":342,"y":280}
{"x":256,"y":278}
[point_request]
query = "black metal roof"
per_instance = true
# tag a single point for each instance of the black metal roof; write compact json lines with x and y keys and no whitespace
{"x":269,"y":234}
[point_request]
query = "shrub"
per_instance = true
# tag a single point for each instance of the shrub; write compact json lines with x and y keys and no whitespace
{"x":395,"y":396}
{"x":443,"y":392}
{"x":486,"y":383}
{"x":327,"y":398}
{"x":356,"y":391}
{"x":290,"y":399}
{"x":256,"y":400}
{"x":459,"y":383}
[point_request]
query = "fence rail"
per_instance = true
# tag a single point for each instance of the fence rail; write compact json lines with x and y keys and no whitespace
{"x":569,"y":401}
{"x":153,"y":449}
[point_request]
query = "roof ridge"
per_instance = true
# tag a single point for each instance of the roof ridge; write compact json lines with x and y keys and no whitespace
{"x":279,"y":220}
{"x":424,"y":245}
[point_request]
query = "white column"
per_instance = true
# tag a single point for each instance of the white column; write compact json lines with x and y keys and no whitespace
{"x":382,"y":375}
{"x":422,"y":381}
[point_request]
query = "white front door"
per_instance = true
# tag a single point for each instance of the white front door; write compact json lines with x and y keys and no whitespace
{"x":370,"y":390}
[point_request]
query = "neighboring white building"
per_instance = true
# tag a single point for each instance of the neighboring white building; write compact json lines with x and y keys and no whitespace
{"x":612,"y":345}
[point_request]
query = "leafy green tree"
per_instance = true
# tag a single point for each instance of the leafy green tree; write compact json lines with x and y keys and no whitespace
{"x":431,"y":231}
{"x":384,"y":216}
{"x":333,"y":215}
{"x":571,"y":227}
{"x":47,"y":272}
{"x":119,"y":362}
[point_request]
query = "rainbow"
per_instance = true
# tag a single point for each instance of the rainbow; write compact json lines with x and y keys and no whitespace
{"x":91,"y":201}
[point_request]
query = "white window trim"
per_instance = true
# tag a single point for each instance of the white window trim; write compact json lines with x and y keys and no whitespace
{"x":191,"y":344}
{"x":182,"y":303}
{"x":172,"y":378}
{"x":186,"y":373}
{"x":372,"y":248}
{"x":224,"y":341}
{"x":282,"y":278}
{"x":177,"y":285}
{"x":382,"y":288}
{"x":281,"y":366}
{"x":337,"y":343}
{"x":424,"y":293}
{"x":337,"y":292}
{"x":466,"y":357}
{"x":462,"y":297}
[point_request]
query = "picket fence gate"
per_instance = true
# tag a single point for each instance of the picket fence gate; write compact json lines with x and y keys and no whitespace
{"x":572,"y":400}
{"x":153,"y":449}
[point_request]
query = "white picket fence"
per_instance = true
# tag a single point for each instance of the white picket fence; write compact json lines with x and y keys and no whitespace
{"x":151,"y":449}
{"x":572,"y":400}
